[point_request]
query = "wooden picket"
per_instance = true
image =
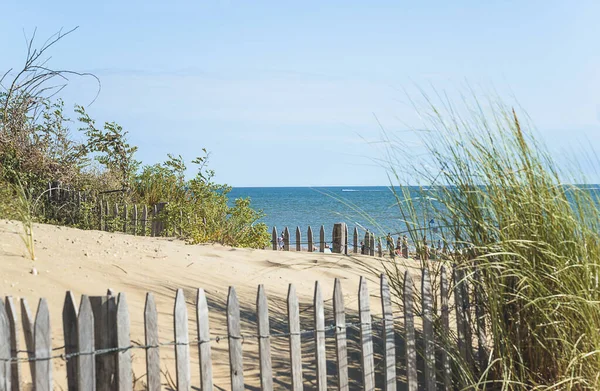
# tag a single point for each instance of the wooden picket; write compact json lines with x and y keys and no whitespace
{"x":69,"y":319}
{"x":103,"y":322}
{"x":366,"y":336}
{"x":182,"y":349}
{"x":15,"y":368}
{"x":286,"y":239}
{"x":236,"y":367}
{"x":5,"y":354}
{"x":42,"y":341}
{"x":27,"y":323}
{"x":322,"y":239}
{"x":264,"y":342}
{"x":388,"y":336}
{"x":340,"y":336}
{"x":445,"y":329}
{"x":152,"y":351}
{"x":409,"y":325}
{"x":206,"y":378}
{"x":309,"y":235}
{"x":294,"y":339}
{"x":144,"y":219}
{"x":274,"y":239}
{"x":428,"y":338}
{"x":319,"y":331}
{"x":86,"y":363}
{"x":298,"y":239}
{"x":135,"y":219}
{"x":124,"y":373}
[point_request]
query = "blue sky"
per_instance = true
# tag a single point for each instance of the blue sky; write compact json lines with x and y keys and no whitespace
{"x":286,"y":94}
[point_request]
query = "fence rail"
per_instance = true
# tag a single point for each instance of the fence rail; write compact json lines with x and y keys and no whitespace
{"x":98,"y":346}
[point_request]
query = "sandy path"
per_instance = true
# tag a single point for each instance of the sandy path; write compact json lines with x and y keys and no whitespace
{"x":89,"y":262}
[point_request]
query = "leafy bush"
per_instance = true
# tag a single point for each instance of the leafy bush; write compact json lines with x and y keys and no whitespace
{"x":37,"y":148}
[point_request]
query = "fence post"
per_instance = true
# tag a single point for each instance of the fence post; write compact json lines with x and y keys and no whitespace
{"x":180,"y":230}
{"x":264,"y":342}
{"x":204,"y":341}
{"x":409,"y":325}
{"x":86,"y":363}
{"x":309,"y":235}
{"x":445,"y":332}
{"x":135,"y":219}
{"x":479,"y":315}
{"x":388,"y":336}
{"x":43,"y":348}
{"x":274,"y":239}
{"x":294,"y":339}
{"x":101,"y":214}
{"x":286,"y":239}
{"x":115,"y":217}
{"x":15,"y":371}
{"x":106,"y":212}
{"x":322,"y":239}
{"x":379,"y":248}
{"x":5,"y":337}
{"x":144,"y":219}
{"x":367,"y":244}
{"x":338,"y":237}
{"x":355,"y":242}
{"x":366,"y":338}
{"x":152,"y":353}
{"x":69,"y":319}
{"x":125,"y":218}
{"x":298,"y":239}
{"x":104,"y":310}
{"x":319,"y":325}
{"x":341,"y":345}
{"x":160,"y":225}
{"x":372,"y":245}
{"x":125,"y":378}
{"x":182,"y":350}
{"x":154,"y":222}
{"x":428,"y":338}
{"x":345,"y":239}
{"x":235,"y":341}
{"x":460,"y":314}
{"x":27,"y":321}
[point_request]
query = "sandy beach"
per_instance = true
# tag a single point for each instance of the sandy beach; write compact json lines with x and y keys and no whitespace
{"x":89,"y":262}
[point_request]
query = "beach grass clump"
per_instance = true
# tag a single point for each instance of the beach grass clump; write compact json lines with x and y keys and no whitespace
{"x":513,"y":214}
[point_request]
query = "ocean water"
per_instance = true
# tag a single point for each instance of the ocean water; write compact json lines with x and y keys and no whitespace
{"x":373,"y":208}
{"x":315,"y":206}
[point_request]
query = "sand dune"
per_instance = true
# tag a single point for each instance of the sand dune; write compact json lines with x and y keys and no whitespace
{"x":89,"y":262}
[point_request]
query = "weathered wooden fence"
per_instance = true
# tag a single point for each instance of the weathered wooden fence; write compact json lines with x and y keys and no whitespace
{"x":93,"y":211}
{"x":339,"y":239}
{"x":98,"y":345}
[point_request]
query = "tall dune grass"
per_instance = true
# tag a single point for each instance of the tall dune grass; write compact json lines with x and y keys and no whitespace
{"x":535,"y":239}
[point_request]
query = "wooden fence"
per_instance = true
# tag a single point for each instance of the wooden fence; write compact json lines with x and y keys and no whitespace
{"x":367,"y":245}
{"x":93,"y":211}
{"x":98,"y":345}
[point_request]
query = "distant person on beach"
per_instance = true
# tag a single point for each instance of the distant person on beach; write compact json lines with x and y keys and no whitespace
{"x":399,"y":246}
{"x":405,"y":246}
{"x":362,"y":248}
{"x":281,"y":241}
